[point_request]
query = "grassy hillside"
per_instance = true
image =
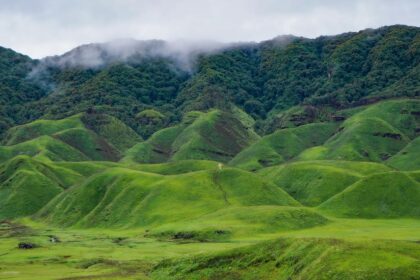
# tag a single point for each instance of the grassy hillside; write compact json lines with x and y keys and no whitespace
{"x":240,"y":222}
{"x":313,"y":182}
{"x":43,"y":147}
{"x":123,"y":197}
{"x":282,"y":145}
{"x":27,"y":184}
{"x":38,"y":128}
{"x":383,"y":195}
{"x":176,"y":167}
{"x":302,"y":259}
{"x":81,"y":137}
{"x":408,"y":158}
{"x":373,"y":134}
{"x":216,"y":135}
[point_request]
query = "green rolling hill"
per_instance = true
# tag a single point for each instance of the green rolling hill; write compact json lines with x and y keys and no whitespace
{"x":283,"y":145}
{"x":124,"y":197}
{"x":408,"y":158}
{"x":77,"y":138}
{"x":373,"y":134}
{"x":382,"y":195}
{"x":215,"y":135}
{"x":27,"y":184}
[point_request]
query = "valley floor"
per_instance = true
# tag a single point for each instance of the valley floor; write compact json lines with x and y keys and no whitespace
{"x":390,"y":245}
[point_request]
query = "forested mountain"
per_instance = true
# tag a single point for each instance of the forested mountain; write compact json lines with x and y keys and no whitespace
{"x":264,"y":79}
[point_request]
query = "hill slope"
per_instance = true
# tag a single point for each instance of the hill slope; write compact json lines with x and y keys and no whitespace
{"x":122,"y":197}
{"x":87,"y":136}
{"x":282,"y":145}
{"x":216,"y":135}
{"x":373,"y":134}
{"x":263,"y":79}
{"x":384,"y":195}
{"x":27,"y":184}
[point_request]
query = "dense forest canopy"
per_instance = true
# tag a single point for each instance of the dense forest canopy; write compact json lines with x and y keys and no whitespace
{"x":266,"y":79}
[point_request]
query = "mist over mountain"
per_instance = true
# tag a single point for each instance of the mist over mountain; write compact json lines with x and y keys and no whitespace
{"x":181,"y":52}
{"x":125,"y":77}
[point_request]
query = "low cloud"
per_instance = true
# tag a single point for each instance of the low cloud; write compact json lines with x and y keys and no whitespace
{"x":47,"y":27}
{"x":182,"y":53}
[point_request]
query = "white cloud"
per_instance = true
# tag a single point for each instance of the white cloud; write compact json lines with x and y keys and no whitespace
{"x":46,"y":27}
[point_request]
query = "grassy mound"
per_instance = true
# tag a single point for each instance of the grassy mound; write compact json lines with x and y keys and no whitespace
{"x":310,"y":183}
{"x":176,"y":167}
{"x":408,"y":158}
{"x":111,"y":129}
{"x":43,"y":147}
{"x":124,"y":197}
{"x":241,"y":221}
{"x":89,"y":144}
{"x":282,"y":145}
{"x":215,"y":135}
{"x":26,"y":185}
{"x":373,"y":134}
{"x":77,"y":138}
{"x":22,"y":133}
{"x":384,"y":195}
{"x":301,"y":259}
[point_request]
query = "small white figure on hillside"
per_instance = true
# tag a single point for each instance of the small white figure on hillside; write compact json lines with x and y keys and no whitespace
{"x":220,"y":165}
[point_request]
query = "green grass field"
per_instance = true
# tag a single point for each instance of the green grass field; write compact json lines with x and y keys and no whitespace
{"x":210,"y":199}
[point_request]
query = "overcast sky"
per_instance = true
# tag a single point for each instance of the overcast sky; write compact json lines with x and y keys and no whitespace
{"x":47,"y":27}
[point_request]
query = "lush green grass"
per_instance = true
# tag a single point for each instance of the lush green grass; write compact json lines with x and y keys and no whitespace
{"x":215,"y":135}
{"x":302,"y":259}
{"x":282,"y":145}
{"x":126,"y":197}
{"x":89,"y":144}
{"x":26,"y":185}
{"x":408,"y":158}
{"x":313,"y":182}
{"x":43,"y":147}
{"x":176,"y":167}
{"x":373,"y":134}
{"x":127,"y":254}
{"x":309,"y":183}
{"x":123,"y":220}
{"x":241,"y":222}
{"x":38,"y":128}
{"x":76,"y":138}
{"x":382,"y":195}
{"x":114,"y":131}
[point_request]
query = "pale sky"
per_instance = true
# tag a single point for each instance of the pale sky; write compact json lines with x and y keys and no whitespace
{"x":47,"y":27}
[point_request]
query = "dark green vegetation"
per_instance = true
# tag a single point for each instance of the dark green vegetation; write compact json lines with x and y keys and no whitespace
{"x":148,"y":92}
{"x":288,"y":159}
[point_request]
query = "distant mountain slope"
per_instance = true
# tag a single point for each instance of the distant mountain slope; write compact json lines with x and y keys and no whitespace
{"x":215,"y":135}
{"x":264,"y":79}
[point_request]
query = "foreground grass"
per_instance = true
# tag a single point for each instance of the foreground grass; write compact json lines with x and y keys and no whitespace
{"x":127,"y":254}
